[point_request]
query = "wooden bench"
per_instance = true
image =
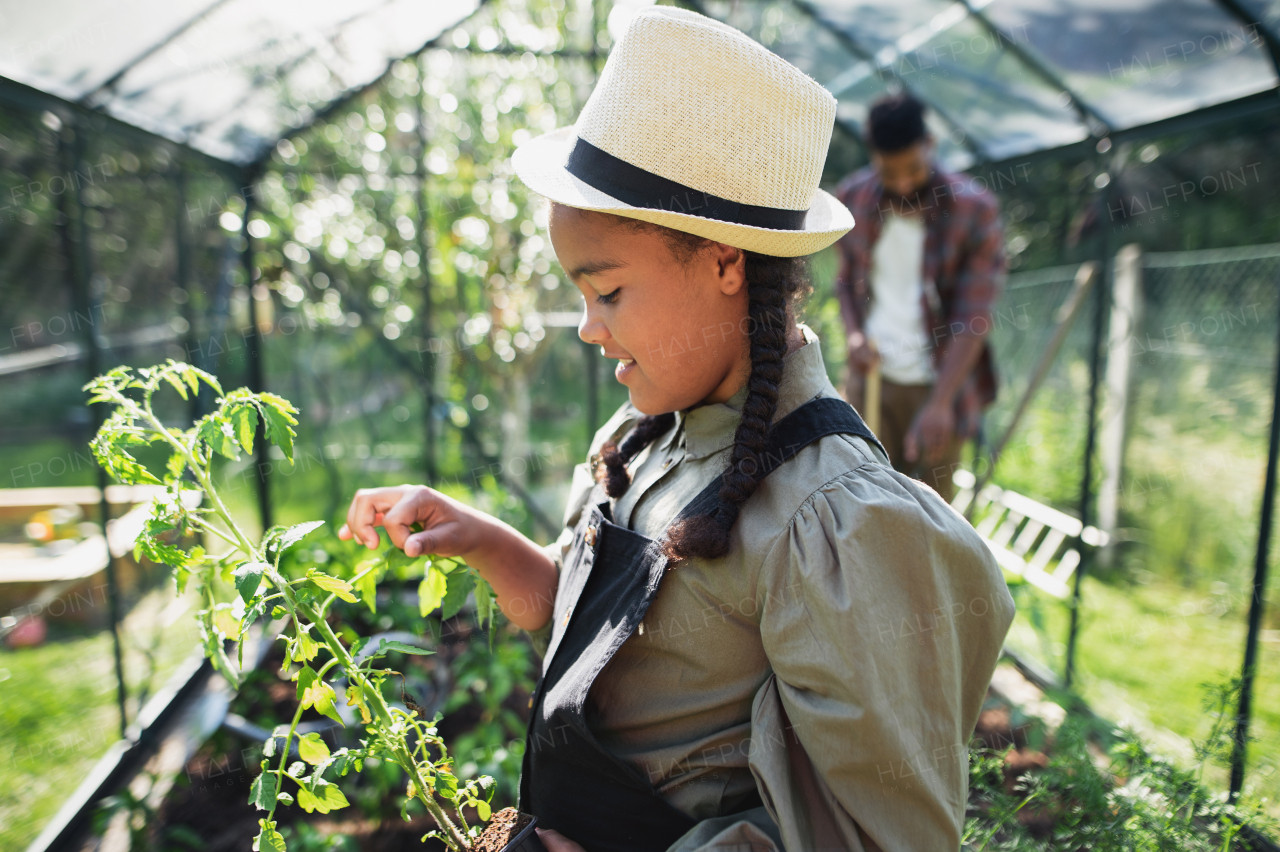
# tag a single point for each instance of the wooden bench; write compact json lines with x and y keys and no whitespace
{"x":1029,"y":539}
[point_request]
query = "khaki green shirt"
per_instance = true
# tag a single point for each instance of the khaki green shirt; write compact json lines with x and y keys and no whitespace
{"x":836,"y":659}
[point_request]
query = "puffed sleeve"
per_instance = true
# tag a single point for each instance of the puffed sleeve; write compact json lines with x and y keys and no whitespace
{"x":883,"y":615}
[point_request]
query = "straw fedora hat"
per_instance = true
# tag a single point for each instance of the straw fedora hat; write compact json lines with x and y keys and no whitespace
{"x":694,"y":126}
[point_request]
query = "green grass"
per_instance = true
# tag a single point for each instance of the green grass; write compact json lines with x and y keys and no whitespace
{"x":1144,"y":652}
{"x":58,"y":714}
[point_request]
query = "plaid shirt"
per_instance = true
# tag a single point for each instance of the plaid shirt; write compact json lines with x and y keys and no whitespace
{"x":964,"y":268}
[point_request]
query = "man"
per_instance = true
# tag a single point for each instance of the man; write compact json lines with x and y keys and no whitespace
{"x":919,"y":276}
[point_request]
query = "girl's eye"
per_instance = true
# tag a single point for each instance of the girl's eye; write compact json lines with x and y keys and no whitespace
{"x":607,"y":298}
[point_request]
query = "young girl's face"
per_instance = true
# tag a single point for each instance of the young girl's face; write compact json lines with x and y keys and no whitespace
{"x":676,"y":326}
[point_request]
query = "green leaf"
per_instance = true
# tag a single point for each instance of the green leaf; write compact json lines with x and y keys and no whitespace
{"x":284,"y":797}
{"x":109,"y":450}
{"x":211,"y":637}
{"x":431,"y":590}
{"x":297,"y":532}
{"x":268,"y":839}
{"x":314,"y":692}
{"x":265,"y":787}
{"x":245,"y":420}
{"x":175,"y":468}
{"x":252,"y":614}
{"x":326,"y":797}
{"x":218,"y":434}
{"x":206,"y":378}
{"x":248,"y":577}
{"x":485,"y":605}
{"x":341,"y":588}
{"x":313,"y":749}
{"x":401,"y":563}
{"x":385,"y":645}
{"x":446,"y":785}
{"x":176,"y":383}
{"x":307,"y":648}
{"x":483,"y":810}
{"x":366,"y":582}
{"x":159,"y":551}
{"x":278,"y":417}
{"x":460,"y":584}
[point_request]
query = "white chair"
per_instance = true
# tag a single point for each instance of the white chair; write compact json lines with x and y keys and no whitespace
{"x":1029,"y":539}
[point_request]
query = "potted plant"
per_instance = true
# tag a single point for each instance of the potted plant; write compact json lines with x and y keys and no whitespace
{"x":314,"y":654}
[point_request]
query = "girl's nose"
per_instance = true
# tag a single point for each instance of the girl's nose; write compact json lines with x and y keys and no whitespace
{"x":591,"y":328}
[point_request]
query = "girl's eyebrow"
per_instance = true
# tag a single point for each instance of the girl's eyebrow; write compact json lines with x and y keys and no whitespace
{"x":595,"y":267}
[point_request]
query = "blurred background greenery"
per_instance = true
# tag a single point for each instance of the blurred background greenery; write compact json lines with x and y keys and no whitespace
{"x":408,"y":301}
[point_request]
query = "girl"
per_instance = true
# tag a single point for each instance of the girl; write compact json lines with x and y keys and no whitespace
{"x":756,"y":634}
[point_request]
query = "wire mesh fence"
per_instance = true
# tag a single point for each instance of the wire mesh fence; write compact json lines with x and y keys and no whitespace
{"x":1164,"y":607}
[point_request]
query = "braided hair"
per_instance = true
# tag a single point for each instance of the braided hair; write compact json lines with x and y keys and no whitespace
{"x":774,"y":286}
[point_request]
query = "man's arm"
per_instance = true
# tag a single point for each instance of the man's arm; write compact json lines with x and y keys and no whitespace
{"x":968,"y":324}
{"x":844,"y":290}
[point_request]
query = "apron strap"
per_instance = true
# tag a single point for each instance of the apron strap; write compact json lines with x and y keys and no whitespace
{"x":811,"y":421}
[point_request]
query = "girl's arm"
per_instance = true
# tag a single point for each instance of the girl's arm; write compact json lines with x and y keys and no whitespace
{"x":521,"y":573}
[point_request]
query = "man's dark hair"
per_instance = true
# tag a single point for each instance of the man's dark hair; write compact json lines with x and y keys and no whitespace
{"x":895,"y":123}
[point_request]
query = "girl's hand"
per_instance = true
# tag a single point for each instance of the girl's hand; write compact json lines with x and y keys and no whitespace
{"x":557,"y":842}
{"x":450,"y":528}
{"x":522,"y":574}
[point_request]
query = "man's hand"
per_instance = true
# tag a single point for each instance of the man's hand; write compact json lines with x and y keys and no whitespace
{"x":862,"y":352}
{"x":933,"y":428}
{"x":557,"y":842}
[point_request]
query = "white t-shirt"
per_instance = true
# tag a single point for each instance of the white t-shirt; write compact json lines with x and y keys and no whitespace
{"x":896,"y":323}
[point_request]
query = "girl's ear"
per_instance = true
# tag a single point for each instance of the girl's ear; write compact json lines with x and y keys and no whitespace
{"x":731,"y":268}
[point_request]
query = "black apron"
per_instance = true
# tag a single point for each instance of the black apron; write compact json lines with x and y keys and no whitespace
{"x":610,"y":576}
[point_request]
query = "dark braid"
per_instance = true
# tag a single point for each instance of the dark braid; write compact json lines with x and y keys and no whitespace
{"x":772,"y":284}
{"x":612,"y":469}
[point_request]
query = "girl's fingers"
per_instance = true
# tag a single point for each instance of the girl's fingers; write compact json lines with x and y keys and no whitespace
{"x":423,"y":542}
{"x":400,"y":518}
{"x":557,"y":842}
{"x":362,"y":515}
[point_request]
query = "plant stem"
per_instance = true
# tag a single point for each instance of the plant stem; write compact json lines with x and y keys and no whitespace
{"x":284,"y":760}
{"x":383,"y":712}
{"x":453,"y":837}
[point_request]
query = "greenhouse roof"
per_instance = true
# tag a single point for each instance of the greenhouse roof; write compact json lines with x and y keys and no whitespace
{"x":1004,"y":78}
{"x":228,"y":78}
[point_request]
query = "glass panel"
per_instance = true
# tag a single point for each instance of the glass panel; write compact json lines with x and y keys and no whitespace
{"x":1265,"y":11}
{"x":1004,"y":105}
{"x":69,"y":47}
{"x":1143,"y":61}
{"x":879,"y":25}
{"x":790,"y":33}
{"x":235,"y":80}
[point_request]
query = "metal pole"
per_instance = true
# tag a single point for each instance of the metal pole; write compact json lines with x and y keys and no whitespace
{"x":424,"y":264}
{"x":1258,"y":601}
{"x":253,"y":341}
{"x":1102,"y":295}
{"x":79,"y":264}
{"x":182,"y":279}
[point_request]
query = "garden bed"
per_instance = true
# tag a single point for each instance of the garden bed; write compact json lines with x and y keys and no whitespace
{"x":208,"y":808}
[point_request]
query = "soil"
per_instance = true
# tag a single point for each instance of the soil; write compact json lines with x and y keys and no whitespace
{"x":505,"y":825}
